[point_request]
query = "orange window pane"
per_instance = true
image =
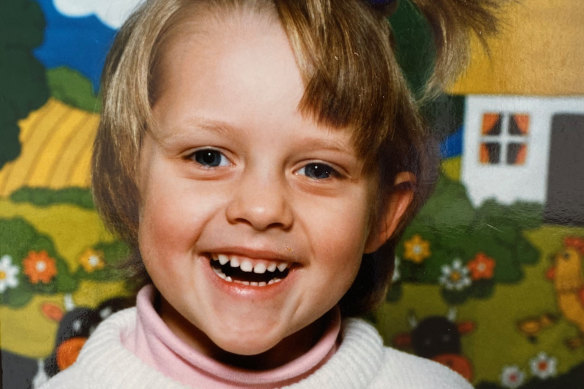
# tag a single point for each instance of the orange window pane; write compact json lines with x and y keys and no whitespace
{"x":484,"y":154}
{"x":491,"y":124}
{"x":519,"y":124}
{"x":489,"y":153}
{"x":516,"y":153}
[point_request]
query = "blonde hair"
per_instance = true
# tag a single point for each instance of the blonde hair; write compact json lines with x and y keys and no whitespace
{"x":352,"y":79}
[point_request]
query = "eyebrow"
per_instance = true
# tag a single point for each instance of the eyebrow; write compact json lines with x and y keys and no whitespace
{"x":218,"y":126}
{"x":328,"y":144}
{"x":179,"y":133}
{"x":224,"y":128}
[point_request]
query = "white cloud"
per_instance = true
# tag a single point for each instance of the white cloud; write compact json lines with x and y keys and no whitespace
{"x":113,"y":13}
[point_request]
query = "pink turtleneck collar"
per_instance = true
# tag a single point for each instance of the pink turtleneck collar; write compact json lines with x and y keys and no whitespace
{"x":154,"y":343}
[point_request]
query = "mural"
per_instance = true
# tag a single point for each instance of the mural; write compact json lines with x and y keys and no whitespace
{"x":489,"y":277}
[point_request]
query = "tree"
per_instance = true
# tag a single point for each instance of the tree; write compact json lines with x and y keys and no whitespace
{"x":23,"y":84}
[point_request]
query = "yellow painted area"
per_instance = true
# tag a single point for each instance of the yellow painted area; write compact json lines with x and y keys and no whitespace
{"x":539,"y":52}
{"x":80,"y":172}
{"x":101,"y":291}
{"x":451,"y":168}
{"x":27,"y":331}
{"x":56,"y":149}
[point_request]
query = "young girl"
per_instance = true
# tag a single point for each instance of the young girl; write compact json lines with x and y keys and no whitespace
{"x":261,"y":158}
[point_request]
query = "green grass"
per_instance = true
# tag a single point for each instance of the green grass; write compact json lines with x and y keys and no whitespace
{"x":44,"y":197}
{"x":72,"y":88}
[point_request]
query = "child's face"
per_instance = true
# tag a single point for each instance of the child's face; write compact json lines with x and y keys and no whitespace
{"x":235,"y":172}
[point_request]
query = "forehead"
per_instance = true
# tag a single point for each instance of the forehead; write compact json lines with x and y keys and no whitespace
{"x":239,"y":62}
{"x":208,"y":29}
{"x":209,"y":25}
{"x":226,"y":41}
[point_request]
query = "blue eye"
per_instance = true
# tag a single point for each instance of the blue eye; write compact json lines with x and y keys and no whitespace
{"x":318,"y":171}
{"x":209,"y":158}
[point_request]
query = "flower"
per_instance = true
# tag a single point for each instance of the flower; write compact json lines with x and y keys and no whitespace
{"x":481,"y":267}
{"x":91,"y":260}
{"x":8,"y":273}
{"x":396,"y":274}
{"x":455,"y":276}
{"x":512,"y":377}
{"x":543,"y":365}
{"x":39,"y":267}
{"x":417,"y":249}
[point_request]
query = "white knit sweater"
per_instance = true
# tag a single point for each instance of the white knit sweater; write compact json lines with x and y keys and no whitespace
{"x":360,"y":362}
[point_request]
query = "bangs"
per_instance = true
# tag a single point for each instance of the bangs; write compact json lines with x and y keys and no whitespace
{"x":350,"y":74}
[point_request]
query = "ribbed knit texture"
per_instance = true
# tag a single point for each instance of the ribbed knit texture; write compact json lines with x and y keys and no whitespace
{"x":360,"y":362}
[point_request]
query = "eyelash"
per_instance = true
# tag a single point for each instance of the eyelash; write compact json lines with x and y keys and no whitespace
{"x":200,"y":155}
{"x":314,"y":170}
{"x":317,"y":168}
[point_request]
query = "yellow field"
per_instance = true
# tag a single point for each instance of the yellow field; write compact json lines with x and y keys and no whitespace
{"x":56,"y":149}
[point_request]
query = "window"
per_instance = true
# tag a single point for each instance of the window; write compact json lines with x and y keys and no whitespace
{"x":504,"y":138}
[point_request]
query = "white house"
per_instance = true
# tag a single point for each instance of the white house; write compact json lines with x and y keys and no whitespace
{"x":524,"y":118}
{"x":508,"y":144}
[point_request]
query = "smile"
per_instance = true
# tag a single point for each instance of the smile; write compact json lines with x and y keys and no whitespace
{"x":232,"y":268}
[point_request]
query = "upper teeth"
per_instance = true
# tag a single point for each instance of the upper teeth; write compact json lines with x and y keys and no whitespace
{"x":248,"y":266}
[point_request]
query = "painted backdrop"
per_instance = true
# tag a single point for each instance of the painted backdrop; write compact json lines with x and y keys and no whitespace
{"x":489,"y":278}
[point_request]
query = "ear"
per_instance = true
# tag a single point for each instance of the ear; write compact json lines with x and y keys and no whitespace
{"x":393,"y":211}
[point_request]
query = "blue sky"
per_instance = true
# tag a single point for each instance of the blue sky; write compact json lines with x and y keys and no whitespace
{"x":80,"y":43}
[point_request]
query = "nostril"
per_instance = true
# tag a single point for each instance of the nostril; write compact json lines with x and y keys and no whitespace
{"x":261,"y":212}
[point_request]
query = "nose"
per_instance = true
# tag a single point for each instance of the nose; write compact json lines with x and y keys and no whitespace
{"x":260,"y":202}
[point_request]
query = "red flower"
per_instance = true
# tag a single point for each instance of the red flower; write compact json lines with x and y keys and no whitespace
{"x":481,"y":267}
{"x":39,"y":267}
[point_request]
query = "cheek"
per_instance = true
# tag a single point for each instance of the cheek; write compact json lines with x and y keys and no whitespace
{"x":173,"y":214}
{"x":339,"y":236}
{"x":156,"y":234}
{"x":164,"y":218}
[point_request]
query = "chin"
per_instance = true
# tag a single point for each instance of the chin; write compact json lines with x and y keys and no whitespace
{"x":245,"y":346}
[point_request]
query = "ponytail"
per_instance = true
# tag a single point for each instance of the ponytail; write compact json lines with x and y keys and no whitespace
{"x":452,"y":23}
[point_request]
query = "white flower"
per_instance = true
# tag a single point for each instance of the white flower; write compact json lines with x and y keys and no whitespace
{"x":543,"y":365}
{"x":396,"y":274}
{"x":8,"y":273}
{"x":512,"y":377}
{"x":455,"y":276}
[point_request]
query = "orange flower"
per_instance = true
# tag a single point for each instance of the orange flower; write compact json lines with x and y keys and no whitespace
{"x":481,"y":267}
{"x":39,"y":267}
{"x":417,"y":249}
{"x":91,"y":260}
